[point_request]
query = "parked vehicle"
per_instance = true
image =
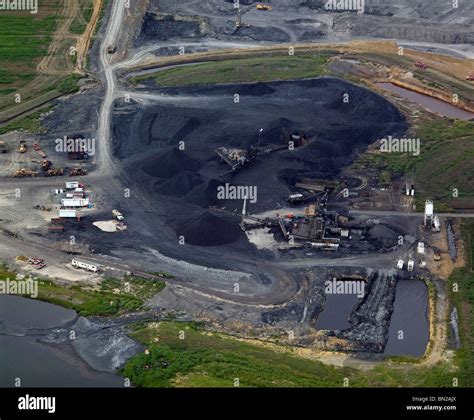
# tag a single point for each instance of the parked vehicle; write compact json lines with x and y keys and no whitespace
{"x":85,"y":266}
{"x":118,"y":215}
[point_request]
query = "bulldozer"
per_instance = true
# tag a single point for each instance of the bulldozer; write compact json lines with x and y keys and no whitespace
{"x":22,"y":148}
{"x":263,"y":7}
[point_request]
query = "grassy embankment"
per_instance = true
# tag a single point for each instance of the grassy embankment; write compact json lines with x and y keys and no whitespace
{"x":112,"y":297}
{"x":444,"y":164}
{"x":250,"y":69}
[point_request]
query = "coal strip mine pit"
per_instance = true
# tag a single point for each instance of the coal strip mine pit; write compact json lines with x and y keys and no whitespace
{"x":169,"y":149}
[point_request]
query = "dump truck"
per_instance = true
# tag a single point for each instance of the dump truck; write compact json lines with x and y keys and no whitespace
{"x":117,"y":215}
{"x":24,"y":173}
{"x":46,"y":165}
{"x":22,"y":148}
{"x":263,"y":7}
{"x":470,"y":77}
{"x":38,"y":149}
{"x":77,"y":171}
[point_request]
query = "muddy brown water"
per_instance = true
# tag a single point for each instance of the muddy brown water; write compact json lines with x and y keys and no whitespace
{"x":37,"y":364}
{"x":410,"y":316}
{"x":431,"y":104}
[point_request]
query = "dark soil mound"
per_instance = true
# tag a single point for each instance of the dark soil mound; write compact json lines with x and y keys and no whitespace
{"x":179,"y":185}
{"x":205,"y":194}
{"x":209,"y":230}
{"x":170,"y":163}
{"x":382,"y":236}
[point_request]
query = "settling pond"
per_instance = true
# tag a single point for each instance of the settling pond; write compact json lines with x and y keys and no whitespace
{"x":410,"y":316}
{"x":431,"y":104}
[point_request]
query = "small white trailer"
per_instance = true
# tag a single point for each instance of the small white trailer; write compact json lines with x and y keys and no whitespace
{"x":85,"y":266}
{"x":68,"y":214}
{"x":80,"y":202}
{"x":72,"y":185}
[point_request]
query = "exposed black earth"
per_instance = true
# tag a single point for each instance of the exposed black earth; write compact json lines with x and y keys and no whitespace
{"x":171,"y":145}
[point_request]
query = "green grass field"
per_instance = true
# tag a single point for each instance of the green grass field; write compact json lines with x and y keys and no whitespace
{"x":213,"y":360}
{"x":444,"y":163}
{"x":79,"y":24}
{"x":24,"y":40}
{"x":253,"y":69}
{"x":114,"y":297}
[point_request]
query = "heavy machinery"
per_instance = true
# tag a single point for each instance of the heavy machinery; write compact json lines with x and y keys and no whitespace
{"x":77,"y":172}
{"x":37,"y":263}
{"x":117,"y":215}
{"x":40,"y":152}
{"x":421,"y":65}
{"x":238,"y":24}
{"x":22,"y":148}
{"x":111,"y":49}
{"x":45,"y":165}
{"x":470,"y":77}
{"x":264,"y":7}
{"x":3,"y":147}
{"x":55,"y":172}
{"x":24,"y":173}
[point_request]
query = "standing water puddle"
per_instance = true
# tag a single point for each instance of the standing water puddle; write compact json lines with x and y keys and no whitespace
{"x":431,"y":104}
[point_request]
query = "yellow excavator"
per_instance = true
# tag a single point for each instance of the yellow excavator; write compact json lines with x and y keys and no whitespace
{"x":263,"y":7}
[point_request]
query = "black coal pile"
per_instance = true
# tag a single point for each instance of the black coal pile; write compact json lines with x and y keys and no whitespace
{"x":158,"y":26}
{"x":209,"y":230}
{"x":205,"y":194}
{"x":179,"y":185}
{"x":170,"y":163}
{"x":382,"y":236}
